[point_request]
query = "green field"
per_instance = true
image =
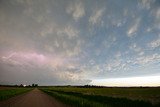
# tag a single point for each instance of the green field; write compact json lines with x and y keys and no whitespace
{"x":11,"y":92}
{"x":106,"y":97}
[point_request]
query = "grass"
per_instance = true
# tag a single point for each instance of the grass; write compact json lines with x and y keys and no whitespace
{"x":73,"y":100}
{"x":11,"y":92}
{"x":106,"y":97}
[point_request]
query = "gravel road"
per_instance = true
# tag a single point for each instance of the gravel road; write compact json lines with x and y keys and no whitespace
{"x":34,"y":98}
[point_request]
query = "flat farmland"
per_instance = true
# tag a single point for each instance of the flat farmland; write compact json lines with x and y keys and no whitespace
{"x":8,"y":92}
{"x":106,"y":97}
{"x":70,"y":96}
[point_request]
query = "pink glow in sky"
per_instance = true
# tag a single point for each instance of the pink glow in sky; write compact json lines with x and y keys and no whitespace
{"x":78,"y":41}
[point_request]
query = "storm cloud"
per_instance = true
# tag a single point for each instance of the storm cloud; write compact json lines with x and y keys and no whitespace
{"x":73,"y":42}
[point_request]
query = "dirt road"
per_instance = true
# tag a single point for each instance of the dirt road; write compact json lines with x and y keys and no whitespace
{"x":34,"y":98}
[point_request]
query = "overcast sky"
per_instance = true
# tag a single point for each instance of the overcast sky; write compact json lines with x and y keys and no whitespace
{"x":77,"y":42}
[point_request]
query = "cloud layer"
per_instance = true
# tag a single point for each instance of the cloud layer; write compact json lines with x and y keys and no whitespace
{"x":55,"y":42}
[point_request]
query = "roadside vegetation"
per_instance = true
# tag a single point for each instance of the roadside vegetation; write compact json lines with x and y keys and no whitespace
{"x":11,"y":92}
{"x":106,"y":97}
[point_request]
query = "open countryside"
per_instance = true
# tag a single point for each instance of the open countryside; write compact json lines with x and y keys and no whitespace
{"x":80,"y":96}
{"x":79,"y":53}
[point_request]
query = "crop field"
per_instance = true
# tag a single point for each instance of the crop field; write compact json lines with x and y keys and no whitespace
{"x":106,"y":97}
{"x":8,"y":92}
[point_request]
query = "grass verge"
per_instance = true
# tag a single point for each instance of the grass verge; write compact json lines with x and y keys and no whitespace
{"x":8,"y":93}
{"x":81,"y":100}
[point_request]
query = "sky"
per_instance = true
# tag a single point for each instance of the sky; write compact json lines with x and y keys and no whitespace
{"x":79,"y":42}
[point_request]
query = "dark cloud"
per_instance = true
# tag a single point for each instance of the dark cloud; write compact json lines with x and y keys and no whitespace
{"x":74,"y":42}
